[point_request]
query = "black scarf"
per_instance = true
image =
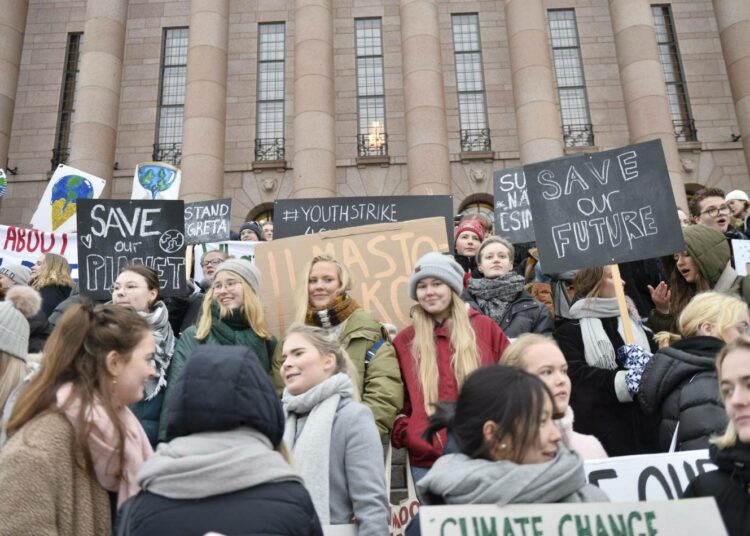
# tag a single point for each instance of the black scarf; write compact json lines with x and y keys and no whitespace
{"x":494,"y":296}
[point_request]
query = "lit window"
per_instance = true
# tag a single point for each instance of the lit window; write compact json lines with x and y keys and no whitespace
{"x":372,"y":139}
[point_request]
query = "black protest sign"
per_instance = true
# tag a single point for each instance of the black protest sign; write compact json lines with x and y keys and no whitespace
{"x":294,"y":217}
{"x":207,"y":221}
{"x":114,"y":233}
{"x":512,"y":209}
{"x":603,"y":208}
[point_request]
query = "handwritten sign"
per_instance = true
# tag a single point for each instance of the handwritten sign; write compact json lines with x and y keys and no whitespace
{"x":3,"y":182}
{"x":294,"y":217}
{"x":207,"y":221}
{"x":741,"y":252}
{"x":512,"y":209}
{"x":674,"y":518}
{"x":379,"y":257}
{"x":603,"y":208}
{"x":118,"y":232}
{"x":649,"y":477}
{"x":25,"y":246}
{"x":156,"y":181}
{"x":234,"y":248}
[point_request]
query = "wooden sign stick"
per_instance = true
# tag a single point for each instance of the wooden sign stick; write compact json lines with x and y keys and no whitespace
{"x":620,"y":292}
{"x":188,"y":261}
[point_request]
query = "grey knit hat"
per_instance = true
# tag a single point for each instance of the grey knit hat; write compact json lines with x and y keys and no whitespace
{"x":21,"y":302}
{"x":439,"y":266}
{"x":16,"y":272}
{"x":243,"y":268}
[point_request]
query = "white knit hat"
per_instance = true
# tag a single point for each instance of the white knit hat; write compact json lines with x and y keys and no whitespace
{"x":21,"y":303}
{"x":16,"y":272}
{"x":737,"y":195}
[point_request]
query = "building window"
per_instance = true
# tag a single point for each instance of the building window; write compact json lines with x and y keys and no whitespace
{"x":61,"y":151}
{"x":372,"y":139}
{"x":472,"y":107}
{"x":168,"y":146}
{"x":571,"y":83}
{"x":669,"y":54}
{"x":269,"y":127}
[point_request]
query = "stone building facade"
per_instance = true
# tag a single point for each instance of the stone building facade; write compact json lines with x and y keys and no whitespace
{"x":261,"y":100}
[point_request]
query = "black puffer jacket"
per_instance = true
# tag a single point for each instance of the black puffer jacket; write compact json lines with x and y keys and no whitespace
{"x":524,"y":315}
{"x":679,"y":384}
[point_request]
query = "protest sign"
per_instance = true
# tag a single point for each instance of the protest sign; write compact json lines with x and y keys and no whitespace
{"x":294,"y":217}
{"x":207,"y":221}
{"x":26,"y":246}
{"x":3,"y":182}
{"x":649,"y":477}
{"x":603,"y":208}
{"x":512,"y":210}
{"x":674,"y":518}
{"x":741,"y":252}
{"x":57,"y":208}
{"x":156,"y":180}
{"x":115,"y":233}
{"x":234,"y":248}
{"x":379,"y":257}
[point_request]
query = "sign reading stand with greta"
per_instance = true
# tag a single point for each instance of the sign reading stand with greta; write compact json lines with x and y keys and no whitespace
{"x":603,"y":208}
{"x":115,"y":233}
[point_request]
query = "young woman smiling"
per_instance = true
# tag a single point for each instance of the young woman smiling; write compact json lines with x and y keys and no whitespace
{"x":445,"y":343}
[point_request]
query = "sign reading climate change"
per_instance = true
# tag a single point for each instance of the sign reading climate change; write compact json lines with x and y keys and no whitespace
{"x":603,"y":208}
{"x":119,"y":232}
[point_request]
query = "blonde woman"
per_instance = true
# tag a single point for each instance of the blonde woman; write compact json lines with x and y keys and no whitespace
{"x":445,"y":343}
{"x":51,"y":277}
{"x":731,"y":452}
{"x":325,"y":302}
{"x":231,"y":315}
{"x":541,"y":356}
{"x":334,"y":442}
{"x":679,"y":382}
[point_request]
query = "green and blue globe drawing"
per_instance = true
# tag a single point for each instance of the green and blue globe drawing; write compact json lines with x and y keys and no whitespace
{"x":65,"y":193}
{"x":156,"y":178}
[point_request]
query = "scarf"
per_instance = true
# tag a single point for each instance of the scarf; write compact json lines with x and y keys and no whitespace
{"x":307,"y":432}
{"x":206,"y":464}
{"x":494,"y":296}
{"x":333,"y":314}
{"x":101,"y":435}
{"x":598,"y":349}
{"x":158,"y":319}
{"x":234,"y":330}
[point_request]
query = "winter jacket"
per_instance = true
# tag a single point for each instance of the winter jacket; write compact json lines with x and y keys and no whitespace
{"x":44,"y":486}
{"x":622,"y":427}
{"x":524,"y":315}
{"x":39,"y":330}
{"x":412,"y":422}
{"x":223,"y":394}
{"x":379,"y":379}
{"x":728,"y":485}
{"x":587,"y":446}
{"x":680,"y":385}
{"x":52,"y":296}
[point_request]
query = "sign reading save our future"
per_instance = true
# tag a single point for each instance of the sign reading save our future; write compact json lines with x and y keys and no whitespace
{"x":603,"y":208}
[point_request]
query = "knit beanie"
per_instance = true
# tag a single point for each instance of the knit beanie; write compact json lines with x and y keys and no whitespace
{"x":21,"y":303}
{"x":243,"y":268}
{"x":439,"y":266}
{"x":255,"y":227}
{"x":737,"y":195}
{"x":475,"y":226}
{"x":16,"y":272}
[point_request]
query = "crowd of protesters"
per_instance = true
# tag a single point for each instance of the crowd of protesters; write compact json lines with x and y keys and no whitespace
{"x":187,"y":415}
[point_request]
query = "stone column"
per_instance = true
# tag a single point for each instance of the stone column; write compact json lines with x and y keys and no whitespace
{"x":314,"y":108}
{"x":538,"y":119}
{"x":204,"y":125}
{"x":12,"y":27}
{"x":733,"y":17}
{"x":428,"y":165}
{"x":643,"y":84}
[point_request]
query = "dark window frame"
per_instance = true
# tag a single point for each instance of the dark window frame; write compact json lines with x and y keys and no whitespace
{"x":166,"y":146}
{"x":270,"y":148}
{"x":66,"y":107}
{"x":372,"y":139}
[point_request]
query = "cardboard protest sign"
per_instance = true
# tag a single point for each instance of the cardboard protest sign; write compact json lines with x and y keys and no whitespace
{"x":25,"y":246}
{"x":379,"y":257}
{"x":603,"y":208}
{"x":3,"y":182}
{"x":294,"y":217}
{"x":674,"y":518}
{"x":512,"y":209}
{"x":207,"y":221}
{"x":741,"y":252}
{"x":57,"y":208}
{"x":156,"y":180}
{"x":233,"y":248}
{"x":115,"y":233}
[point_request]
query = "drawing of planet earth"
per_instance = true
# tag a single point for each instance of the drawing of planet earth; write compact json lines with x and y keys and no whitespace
{"x":3,"y":183}
{"x":156,"y":178}
{"x":65,"y":193}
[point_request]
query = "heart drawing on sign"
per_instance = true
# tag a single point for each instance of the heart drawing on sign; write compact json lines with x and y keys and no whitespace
{"x":86,"y":241}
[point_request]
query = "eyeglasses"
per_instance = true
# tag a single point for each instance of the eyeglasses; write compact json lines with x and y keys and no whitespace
{"x":715,"y":211}
{"x":215,"y":262}
{"x":228,"y":285}
{"x":126,"y":288}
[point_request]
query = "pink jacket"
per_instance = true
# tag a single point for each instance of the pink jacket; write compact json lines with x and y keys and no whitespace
{"x":587,"y":446}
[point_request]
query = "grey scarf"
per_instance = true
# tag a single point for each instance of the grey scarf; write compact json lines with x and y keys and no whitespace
{"x":213,"y":463}
{"x":158,"y":319}
{"x":307,"y":433}
{"x":458,"y":479}
{"x":493,"y":296}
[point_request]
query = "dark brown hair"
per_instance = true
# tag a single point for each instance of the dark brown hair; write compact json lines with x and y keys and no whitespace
{"x":695,"y":203}
{"x":149,"y":274}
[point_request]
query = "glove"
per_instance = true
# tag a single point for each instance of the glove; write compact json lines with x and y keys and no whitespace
{"x":634,"y":359}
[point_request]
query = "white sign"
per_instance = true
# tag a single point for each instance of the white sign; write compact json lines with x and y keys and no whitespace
{"x":234,"y":248}
{"x":674,"y":518}
{"x":25,"y":246}
{"x":57,"y":208}
{"x":3,"y":182}
{"x":648,"y":477}
{"x":741,"y":250}
{"x":156,"y":180}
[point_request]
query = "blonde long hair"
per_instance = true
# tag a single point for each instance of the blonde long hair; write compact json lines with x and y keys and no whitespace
{"x":12,"y":371}
{"x":303,"y":292}
{"x":251,"y":306}
{"x":729,"y":438}
{"x":56,"y":271}
{"x":464,"y":360}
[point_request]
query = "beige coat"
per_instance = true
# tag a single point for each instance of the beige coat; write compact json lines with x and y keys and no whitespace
{"x":44,"y":488}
